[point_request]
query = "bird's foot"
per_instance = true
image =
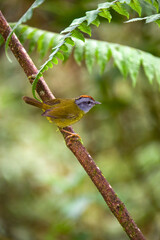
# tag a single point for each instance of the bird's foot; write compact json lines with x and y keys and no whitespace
{"x":71,"y":136}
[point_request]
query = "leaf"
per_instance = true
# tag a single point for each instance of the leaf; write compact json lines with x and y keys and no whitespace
{"x":49,"y":64}
{"x":155,"y":63}
{"x":85,"y":28}
{"x":105,"y":5}
{"x":153,"y":18}
{"x":58,"y":43}
{"x":90,"y":50}
{"x":46,"y":43}
{"x":78,"y":21}
{"x":54,"y":60}
{"x":59,"y":55}
{"x":67,"y":53}
{"x":34,"y":84}
{"x":77,"y":34}
{"x":135,"y":5}
{"x":45,"y":68}
{"x":127,"y":59}
{"x":125,"y":1}
{"x":132,"y":58}
{"x":39,"y":43}
{"x":119,"y":59}
{"x":96,"y":22}
{"x":148,"y":66}
{"x":79,"y":51}
{"x":102,"y":55}
{"x":135,"y":20}
{"x":149,"y":19}
{"x":24,"y":32}
{"x":106,"y":14}
{"x":91,"y":16}
{"x":34,"y":36}
{"x":70,"y":41}
{"x":69,"y":29}
{"x":118,"y":7}
{"x":64,"y":48}
{"x":23,"y":19}
{"x":156,"y":5}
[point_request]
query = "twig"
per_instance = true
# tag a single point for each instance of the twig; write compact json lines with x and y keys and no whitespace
{"x":114,"y":203}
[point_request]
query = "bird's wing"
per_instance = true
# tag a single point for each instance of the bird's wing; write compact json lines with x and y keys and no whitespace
{"x":59,"y":113}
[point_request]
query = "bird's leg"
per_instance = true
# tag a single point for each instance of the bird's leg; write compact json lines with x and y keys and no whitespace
{"x":70,"y":136}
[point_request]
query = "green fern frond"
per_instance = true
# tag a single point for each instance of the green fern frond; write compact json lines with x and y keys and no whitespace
{"x":128,"y":60}
{"x":76,"y":30}
{"x":74,"y":33}
{"x":149,"y":19}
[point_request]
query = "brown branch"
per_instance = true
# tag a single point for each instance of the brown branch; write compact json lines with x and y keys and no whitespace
{"x":114,"y":203}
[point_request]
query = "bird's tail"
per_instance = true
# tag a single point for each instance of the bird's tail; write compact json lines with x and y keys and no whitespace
{"x":33,"y":102}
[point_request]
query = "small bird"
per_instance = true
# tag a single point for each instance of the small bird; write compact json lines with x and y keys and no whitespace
{"x":64,"y":112}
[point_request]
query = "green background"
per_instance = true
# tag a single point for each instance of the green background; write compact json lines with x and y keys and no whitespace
{"x":44,"y":192}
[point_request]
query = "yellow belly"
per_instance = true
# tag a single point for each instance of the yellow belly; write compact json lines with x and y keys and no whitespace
{"x":67,"y":122}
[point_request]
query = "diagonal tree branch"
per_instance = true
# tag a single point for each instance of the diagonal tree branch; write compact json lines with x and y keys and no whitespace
{"x":114,"y":203}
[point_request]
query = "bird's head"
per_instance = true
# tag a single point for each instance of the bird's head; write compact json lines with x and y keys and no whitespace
{"x":85,"y":103}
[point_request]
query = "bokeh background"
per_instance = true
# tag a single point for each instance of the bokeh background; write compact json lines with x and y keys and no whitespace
{"x":44,"y":192}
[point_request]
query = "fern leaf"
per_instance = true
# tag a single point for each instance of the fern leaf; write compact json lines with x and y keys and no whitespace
{"x":79,"y":51}
{"x":135,"y":5}
{"x":46,"y":44}
{"x":69,"y":29}
{"x":128,"y":60}
{"x":92,"y":15}
{"x":64,"y":48}
{"x":103,"y":55}
{"x":68,"y":53}
{"x":132,"y":58}
{"x":78,"y":21}
{"x":118,"y":7}
{"x":106,"y":14}
{"x":96,"y":22}
{"x":148,"y":66}
{"x":149,"y":19}
{"x":77,"y":34}
{"x":155,"y":63}
{"x":154,"y":3}
{"x":59,"y":55}
{"x":119,"y":59}
{"x":85,"y":28}
{"x":90,"y":50}
{"x":153,"y":18}
{"x":70,"y":41}
{"x":34,"y":36}
{"x":105,"y":5}
{"x":54,"y":60}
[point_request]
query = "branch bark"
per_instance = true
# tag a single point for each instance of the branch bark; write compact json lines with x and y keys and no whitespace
{"x":114,"y":203}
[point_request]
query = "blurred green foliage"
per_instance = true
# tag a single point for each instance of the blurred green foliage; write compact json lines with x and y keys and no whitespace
{"x":44,"y":192}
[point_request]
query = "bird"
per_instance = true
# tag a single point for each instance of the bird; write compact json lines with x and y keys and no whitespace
{"x":64,"y":111}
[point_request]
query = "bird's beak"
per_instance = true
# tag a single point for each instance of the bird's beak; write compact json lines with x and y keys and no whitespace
{"x":97,"y":102}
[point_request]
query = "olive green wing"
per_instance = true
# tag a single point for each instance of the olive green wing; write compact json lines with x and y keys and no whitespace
{"x":60,"y":113}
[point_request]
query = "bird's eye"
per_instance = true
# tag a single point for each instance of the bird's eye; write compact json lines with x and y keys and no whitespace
{"x":89,"y":102}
